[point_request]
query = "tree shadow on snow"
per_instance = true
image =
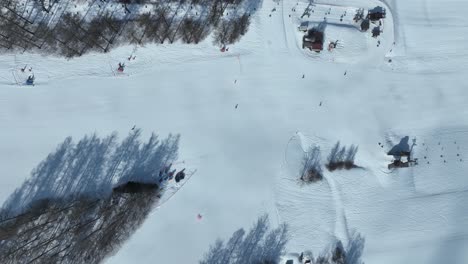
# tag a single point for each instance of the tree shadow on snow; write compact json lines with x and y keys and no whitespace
{"x":401,"y":147}
{"x":355,"y":249}
{"x":93,"y":166}
{"x":85,"y":199}
{"x":264,"y":245}
{"x":260,"y":245}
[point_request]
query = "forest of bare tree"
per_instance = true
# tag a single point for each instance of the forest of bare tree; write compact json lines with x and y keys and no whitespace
{"x":73,"y":28}
{"x":86,"y":198}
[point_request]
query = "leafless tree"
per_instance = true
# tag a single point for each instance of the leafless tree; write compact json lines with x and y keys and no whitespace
{"x":57,"y":29}
{"x":341,"y":157}
{"x":260,"y":245}
{"x":85,"y":199}
{"x":311,"y":170}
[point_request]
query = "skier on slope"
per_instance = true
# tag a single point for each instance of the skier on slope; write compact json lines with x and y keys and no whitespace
{"x":30,"y":80}
{"x":121,"y":67}
{"x":180,"y":175}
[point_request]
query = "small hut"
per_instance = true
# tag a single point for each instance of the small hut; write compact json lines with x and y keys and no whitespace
{"x":402,"y":159}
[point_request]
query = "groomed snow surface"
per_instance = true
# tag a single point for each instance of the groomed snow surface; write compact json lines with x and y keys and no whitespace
{"x":248,"y":158}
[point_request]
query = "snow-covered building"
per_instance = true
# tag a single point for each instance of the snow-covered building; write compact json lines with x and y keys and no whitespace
{"x":313,"y":40}
{"x":376,"y":13}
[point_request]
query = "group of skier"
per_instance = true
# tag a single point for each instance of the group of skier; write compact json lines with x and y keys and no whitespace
{"x":167,"y":174}
{"x":31,"y":78}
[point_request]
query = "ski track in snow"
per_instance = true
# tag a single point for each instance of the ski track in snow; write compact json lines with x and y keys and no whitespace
{"x":341,"y":225}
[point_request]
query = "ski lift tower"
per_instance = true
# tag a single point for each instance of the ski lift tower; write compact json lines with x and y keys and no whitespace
{"x":308,"y":9}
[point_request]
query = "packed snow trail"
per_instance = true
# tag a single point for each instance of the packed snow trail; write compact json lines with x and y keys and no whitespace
{"x":289,"y":183}
{"x":341,"y":225}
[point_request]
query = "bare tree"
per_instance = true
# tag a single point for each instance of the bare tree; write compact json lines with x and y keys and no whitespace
{"x":85,"y":199}
{"x":102,"y":25}
{"x":311,"y":170}
{"x":340,"y":157}
{"x":260,"y":245}
{"x":338,"y":254}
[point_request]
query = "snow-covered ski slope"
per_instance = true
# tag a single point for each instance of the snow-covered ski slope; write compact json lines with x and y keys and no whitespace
{"x":247,"y":158}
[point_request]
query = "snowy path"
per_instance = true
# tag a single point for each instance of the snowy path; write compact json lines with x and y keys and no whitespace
{"x":341,"y":224}
{"x":296,"y":206}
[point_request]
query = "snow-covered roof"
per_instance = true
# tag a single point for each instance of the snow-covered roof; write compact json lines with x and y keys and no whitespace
{"x":377,"y":9}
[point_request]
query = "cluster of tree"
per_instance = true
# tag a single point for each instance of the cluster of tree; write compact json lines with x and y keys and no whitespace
{"x":261,"y":245}
{"x":231,"y":30}
{"x":92,"y":166}
{"x":341,"y":157}
{"x":101,"y":28}
{"x":83,"y":230}
{"x":85,"y":199}
{"x":311,"y":170}
{"x":338,"y":254}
